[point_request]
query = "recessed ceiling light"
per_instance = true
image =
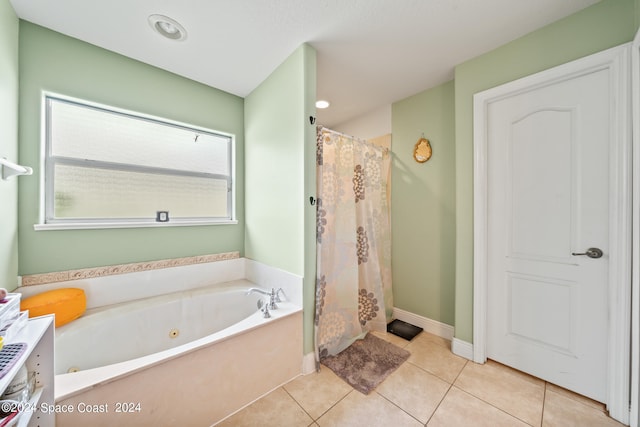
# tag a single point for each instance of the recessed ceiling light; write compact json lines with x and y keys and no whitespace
{"x":322,"y":104}
{"x":167,"y":27}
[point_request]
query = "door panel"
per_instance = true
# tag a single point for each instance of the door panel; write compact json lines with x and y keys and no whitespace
{"x":555,"y":330}
{"x":548,"y":180}
{"x":540,"y":209}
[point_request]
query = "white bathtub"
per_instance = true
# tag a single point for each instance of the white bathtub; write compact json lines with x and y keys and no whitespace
{"x":226,"y":355}
{"x":188,"y":380}
{"x":123,"y":332}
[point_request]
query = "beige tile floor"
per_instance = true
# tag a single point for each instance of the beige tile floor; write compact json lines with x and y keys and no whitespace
{"x":432,"y":388}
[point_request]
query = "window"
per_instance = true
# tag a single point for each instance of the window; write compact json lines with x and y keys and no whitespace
{"x":112,"y":168}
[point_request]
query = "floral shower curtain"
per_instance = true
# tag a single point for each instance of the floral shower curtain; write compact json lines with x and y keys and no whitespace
{"x":353,"y":283}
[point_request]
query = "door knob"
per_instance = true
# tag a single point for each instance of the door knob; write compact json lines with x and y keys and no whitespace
{"x":591,"y":253}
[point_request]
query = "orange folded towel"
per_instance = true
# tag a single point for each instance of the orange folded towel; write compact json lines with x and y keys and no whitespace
{"x":67,"y":304}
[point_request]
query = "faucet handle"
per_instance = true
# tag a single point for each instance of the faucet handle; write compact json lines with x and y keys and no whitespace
{"x":265,"y":312}
{"x":278,"y":295}
{"x":272,"y":300}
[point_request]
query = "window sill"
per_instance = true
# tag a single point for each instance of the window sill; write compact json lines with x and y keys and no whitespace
{"x":104,"y":225}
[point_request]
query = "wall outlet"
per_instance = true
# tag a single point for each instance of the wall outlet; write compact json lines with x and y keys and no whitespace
{"x":162,"y":216}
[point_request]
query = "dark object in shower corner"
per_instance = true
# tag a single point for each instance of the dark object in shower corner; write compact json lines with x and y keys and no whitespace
{"x":403,"y":329}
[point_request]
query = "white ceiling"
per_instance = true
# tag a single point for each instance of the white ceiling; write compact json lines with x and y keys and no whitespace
{"x":370,"y":53}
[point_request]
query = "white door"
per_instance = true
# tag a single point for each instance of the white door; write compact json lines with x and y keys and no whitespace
{"x":549,"y":216}
{"x":635,"y":330}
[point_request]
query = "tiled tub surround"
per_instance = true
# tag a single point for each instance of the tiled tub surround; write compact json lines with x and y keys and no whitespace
{"x":110,"y":270}
{"x":197,"y":383}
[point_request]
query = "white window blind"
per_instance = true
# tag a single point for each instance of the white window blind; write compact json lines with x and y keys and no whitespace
{"x":107,"y":166}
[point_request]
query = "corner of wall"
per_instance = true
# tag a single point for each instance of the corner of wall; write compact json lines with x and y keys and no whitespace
{"x":9,"y":81}
{"x":280,"y":224}
{"x":274,"y":127}
{"x":462,"y":348}
{"x":309,"y":276}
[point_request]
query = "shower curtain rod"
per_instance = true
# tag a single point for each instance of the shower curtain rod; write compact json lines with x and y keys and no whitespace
{"x":340,"y":133}
{"x":385,"y":150}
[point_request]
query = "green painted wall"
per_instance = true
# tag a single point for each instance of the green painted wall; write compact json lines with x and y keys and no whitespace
{"x":309,"y":291}
{"x":54,"y":62}
{"x":280,"y":143}
{"x":432,"y":202}
{"x":423,"y":205}
{"x":274,"y":162}
{"x":603,"y":25}
{"x":9,"y":30}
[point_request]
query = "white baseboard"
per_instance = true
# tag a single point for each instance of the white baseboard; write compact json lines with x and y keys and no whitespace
{"x":458,"y":347}
{"x":429,"y":325}
{"x":462,"y":348}
{"x":432,"y":326}
{"x":308,"y":363}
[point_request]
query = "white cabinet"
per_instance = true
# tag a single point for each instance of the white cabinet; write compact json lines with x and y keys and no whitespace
{"x":38,"y":334}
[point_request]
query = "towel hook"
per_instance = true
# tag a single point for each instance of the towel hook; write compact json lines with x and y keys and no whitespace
{"x":10,"y":169}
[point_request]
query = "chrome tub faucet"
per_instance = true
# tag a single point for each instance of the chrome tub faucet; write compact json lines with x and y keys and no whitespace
{"x":273,"y":296}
